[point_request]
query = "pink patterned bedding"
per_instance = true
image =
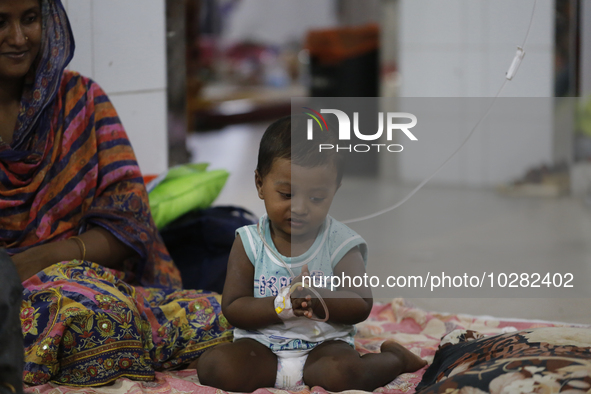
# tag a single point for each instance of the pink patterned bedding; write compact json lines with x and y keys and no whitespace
{"x":418,"y":330}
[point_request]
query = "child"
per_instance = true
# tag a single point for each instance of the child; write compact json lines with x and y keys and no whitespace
{"x":273,"y":344}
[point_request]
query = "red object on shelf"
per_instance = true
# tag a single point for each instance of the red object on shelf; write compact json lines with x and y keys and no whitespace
{"x":332,"y":46}
{"x":148,"y":178}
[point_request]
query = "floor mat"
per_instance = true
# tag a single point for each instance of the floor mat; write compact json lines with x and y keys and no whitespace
{"x":416,"y":329}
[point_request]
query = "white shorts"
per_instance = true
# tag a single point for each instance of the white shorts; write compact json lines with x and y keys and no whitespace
{"x":290,"y":368}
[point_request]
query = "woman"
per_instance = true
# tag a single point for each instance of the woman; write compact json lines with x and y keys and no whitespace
{"x":74,"y":215}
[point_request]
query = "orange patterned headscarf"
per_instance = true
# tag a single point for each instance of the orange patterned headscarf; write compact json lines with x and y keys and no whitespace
{"x":71,"y":165}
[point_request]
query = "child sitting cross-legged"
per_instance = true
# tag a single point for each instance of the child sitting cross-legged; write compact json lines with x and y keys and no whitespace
{"x":279,"y":339}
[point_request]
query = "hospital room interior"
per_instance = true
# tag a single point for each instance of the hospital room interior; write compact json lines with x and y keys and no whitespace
{"x":198,"y":81}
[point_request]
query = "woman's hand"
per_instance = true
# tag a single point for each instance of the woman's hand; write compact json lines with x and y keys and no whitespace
{"x":101,"y":246}
{"x":28,"y":263}
{"x":37,"y":258}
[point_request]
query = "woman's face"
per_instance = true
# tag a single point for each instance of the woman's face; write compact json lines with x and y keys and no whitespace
{"x":20,"y":36}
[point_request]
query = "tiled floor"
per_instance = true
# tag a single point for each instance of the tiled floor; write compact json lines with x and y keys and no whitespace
{"x":441,"y":229}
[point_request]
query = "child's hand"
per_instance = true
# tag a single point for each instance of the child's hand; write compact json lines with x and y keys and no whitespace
{"x":303,"y":306}
{"x":302,"y":302}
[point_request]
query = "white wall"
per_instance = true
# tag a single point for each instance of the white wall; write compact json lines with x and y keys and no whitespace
{"x":462,"y":48}
{"x":586,"y":48}
{"x":122,"y":46}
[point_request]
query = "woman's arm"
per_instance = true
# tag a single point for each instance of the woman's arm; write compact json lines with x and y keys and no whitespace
{"x":102,"y":247}
{"x":239,"y":305}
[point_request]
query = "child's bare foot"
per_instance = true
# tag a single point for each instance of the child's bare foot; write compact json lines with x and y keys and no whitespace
{"x":410,"y":361}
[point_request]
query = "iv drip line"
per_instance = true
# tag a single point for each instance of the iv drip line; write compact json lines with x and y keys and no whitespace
{"x":510,"y":73}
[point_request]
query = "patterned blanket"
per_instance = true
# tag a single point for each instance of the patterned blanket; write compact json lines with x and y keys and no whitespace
{"x":416,"y":329}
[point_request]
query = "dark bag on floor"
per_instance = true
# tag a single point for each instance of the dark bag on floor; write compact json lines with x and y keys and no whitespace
{"x":200,"y":243}
{"x":11,"y":336}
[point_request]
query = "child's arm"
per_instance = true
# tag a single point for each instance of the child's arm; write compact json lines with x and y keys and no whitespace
{"x":239,"y":305}
{"x":348,"y":305}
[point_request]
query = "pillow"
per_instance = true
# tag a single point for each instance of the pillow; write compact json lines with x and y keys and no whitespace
{"x":183,"y":189}
{"x":539,"y":360}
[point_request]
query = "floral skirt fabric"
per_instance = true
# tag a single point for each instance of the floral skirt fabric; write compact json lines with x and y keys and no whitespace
{"x":538,"y":360}
{"x":83,"y":326}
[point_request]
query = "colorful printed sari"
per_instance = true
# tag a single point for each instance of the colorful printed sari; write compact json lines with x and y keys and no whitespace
{"x":69,"y":168}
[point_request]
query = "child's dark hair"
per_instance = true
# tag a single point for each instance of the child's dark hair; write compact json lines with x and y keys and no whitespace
{"x":286,"y":138}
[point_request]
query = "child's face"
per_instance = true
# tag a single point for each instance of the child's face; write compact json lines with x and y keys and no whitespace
{"x":297,"y":199}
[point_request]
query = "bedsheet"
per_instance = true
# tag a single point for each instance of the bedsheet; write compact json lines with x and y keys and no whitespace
{"x":416,"y":329}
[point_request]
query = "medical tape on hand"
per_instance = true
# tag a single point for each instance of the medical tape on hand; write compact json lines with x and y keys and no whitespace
{"x":282,"y":304}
